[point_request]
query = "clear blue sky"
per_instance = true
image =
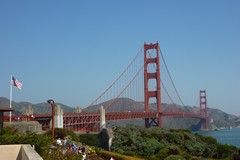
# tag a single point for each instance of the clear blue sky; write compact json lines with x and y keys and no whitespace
{"x":71,"y":50}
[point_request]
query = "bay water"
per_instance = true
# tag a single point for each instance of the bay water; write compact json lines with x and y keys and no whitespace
{"x":225,"y":136}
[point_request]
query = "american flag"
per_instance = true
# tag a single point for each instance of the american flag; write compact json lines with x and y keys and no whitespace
{"x":16,"y":83}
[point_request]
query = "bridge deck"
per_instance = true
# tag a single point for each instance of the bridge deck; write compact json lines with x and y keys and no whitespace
{"x":90,"y":121}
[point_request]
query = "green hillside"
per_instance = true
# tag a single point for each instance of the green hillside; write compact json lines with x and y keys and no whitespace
{"x":156,"y":143}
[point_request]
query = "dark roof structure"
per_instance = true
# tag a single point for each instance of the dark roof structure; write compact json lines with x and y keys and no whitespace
{"x":5,"y":109}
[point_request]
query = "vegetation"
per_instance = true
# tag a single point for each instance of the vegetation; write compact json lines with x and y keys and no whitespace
{"x":135,"y":142}
{"x":61,"y":133}
{"x":42,"y":142}
{"x":117,"y":156}
{"x":156,"y":143}
{"x":90,"y":139}
{"x":10,"y":136}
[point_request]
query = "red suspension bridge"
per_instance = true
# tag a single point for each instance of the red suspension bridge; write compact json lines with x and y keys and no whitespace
{"x":141,"y":82}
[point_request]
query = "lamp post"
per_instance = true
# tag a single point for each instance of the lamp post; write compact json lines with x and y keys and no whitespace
{"x":52,"y":103}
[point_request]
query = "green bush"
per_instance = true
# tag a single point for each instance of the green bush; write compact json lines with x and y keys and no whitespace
{"x":57,"y":154}
{"x":89,"y":139}
{"x":195,"y":148}
{"x":157,"y":143}
{"x":131,"y":141}
{"x":224,"y":151}
{"x":117,"y":156}
{"x":148,"y":147}
{"x":174,"y":157}
{"x":207,"y":139}
{"x":8,"y":131}
{"x":41,"y":142}
{"x":168,"y":150}
{"x":61,"y":133}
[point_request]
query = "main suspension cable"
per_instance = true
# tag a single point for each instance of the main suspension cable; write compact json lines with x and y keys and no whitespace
{"x":125,"y":70}
{"x":171,"y":78}
{"x":125,"y":87}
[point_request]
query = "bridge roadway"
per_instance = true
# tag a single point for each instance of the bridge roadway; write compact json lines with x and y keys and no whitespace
{"x":89,"y":121}
{"x":122,"y":115}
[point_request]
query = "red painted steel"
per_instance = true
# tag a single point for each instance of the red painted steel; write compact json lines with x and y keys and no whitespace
{"x":156,"y":76}
{"x":90,"y":121}
{"x":203,"y":107}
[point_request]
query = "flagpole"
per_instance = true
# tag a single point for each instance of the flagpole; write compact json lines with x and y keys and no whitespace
{"x":10,"y":114}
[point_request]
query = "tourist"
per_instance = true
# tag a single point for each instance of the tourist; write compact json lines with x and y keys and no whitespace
{"x":64,"y":142}
{"x":84,"y":156}
{"x":79,"y":150}
{"x":59,"y":142}
{"x":83,"y":149}
{"x":74,"y":148}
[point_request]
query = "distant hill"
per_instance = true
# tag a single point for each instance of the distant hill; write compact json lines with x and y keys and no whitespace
{"x":220,"y":118}
{"x":118,"y":105}
{"x":19,"y":107}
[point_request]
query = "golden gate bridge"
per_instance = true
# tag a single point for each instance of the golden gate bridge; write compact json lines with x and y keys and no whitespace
{"x":142,"y":81}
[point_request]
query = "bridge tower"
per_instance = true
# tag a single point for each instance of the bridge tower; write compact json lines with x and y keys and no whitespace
{"x":157,"y":121}
{"x":203,"y":108}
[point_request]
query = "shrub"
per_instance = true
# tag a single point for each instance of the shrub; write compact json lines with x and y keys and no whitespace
{"x":156,"y":143}
{"x":61,"y":133}
{"x":58,"y":155}
{"x":223,"y":151}
{"x":89,"y":139}
{"x":168,"y":150}
{"x":41,"y":142}
{"x":9,"y":130}
{"x":194,"y":148}
{"x":108,"y":155}
{"x":207,"y":139}
{"x":148,"y":147}
{"x":174,"y":157}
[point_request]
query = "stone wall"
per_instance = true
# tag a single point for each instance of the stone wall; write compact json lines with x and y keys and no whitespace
{"x":18,"y":152}
{"x":24,"y":126}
